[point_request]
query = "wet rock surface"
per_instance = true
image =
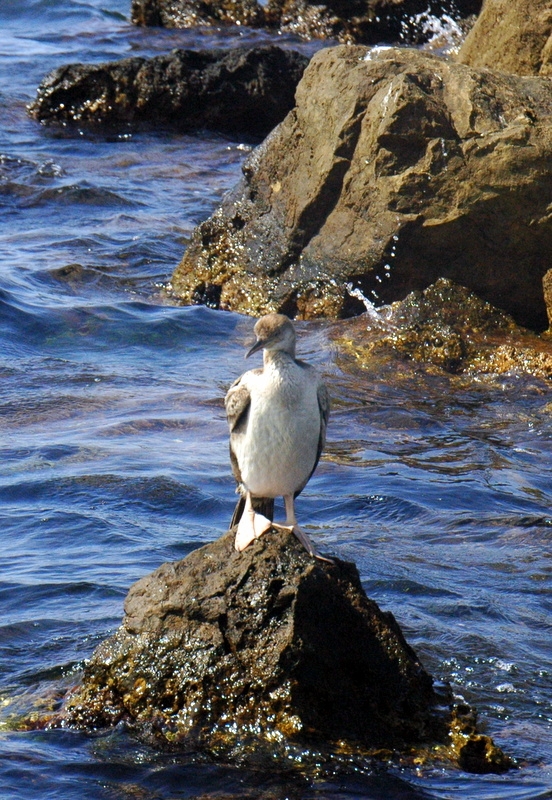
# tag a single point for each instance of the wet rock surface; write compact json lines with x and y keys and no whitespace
{"x":269,"y":640}
{"x":450,"y":329}
{"x":395,"y":168}
{"x":247,"y":90}
{"x":189,"y":13}
{"x":347,"y":21}
{"x":512,"y":37}
{"x":224,"y":651}
{"x":366,"y":21}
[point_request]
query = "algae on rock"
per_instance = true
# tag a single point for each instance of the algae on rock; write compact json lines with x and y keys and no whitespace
{"x":448,"y":328}
{"x":231,"y":652}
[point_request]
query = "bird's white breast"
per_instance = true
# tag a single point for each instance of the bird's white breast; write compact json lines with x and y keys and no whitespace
{"x":277,"y":450}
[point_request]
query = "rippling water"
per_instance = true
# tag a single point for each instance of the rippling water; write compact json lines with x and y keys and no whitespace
{"x":114,"y":451}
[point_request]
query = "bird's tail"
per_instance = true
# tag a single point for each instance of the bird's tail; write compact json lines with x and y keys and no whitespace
{"x":261,"y":505}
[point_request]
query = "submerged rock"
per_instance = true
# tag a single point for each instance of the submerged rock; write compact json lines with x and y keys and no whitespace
{"x":395,"y":168}
{"x":224,"y":651}
{"x":246,"y":90}
{"x":347,"y":21}
{"x":512,"y":37}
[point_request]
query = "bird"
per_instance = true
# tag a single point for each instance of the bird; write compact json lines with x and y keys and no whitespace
{"x":277,"y":416}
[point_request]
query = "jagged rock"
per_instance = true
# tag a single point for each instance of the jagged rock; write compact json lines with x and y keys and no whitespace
{"x":246,"y":90}
{"x":226,"y":648}
{"x":347,"y":21}
{"x":395,"y":168}
{"x":512,"y":37}
{"x":447,"y":327}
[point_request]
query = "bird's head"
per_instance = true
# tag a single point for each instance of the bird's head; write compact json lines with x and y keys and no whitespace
{"x":274,"y":332}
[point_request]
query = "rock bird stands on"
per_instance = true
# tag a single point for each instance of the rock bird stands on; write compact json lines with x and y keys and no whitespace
{"x":277,"y":417}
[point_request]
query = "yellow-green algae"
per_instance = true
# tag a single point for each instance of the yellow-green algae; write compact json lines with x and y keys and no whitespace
{"x":447,"y":329}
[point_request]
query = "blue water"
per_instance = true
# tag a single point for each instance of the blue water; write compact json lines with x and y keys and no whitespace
{"x":114,"y":452}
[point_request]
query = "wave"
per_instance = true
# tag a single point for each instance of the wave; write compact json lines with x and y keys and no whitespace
{"x":132,"y":324}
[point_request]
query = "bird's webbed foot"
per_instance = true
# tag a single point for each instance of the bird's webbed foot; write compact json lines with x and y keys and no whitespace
{"x":305,"y":541}
{"x":250,"y":527}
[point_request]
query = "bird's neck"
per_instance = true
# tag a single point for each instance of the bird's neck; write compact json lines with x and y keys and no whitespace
{"x":276,"y":359}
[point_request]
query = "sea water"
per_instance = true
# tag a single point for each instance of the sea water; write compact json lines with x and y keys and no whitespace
{"x":114,"y":451}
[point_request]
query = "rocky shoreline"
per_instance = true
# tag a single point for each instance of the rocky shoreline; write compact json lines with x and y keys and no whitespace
{"x":390,"y":169}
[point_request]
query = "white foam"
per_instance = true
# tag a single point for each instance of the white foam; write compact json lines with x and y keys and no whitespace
{"x":442,"y":33}
{"x":375,"y":51}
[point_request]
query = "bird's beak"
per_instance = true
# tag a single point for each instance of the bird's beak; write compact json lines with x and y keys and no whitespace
{"x":259,"y":344}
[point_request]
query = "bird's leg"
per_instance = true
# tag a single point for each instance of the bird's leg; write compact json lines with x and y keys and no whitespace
{"x":292,"y":526}
{"x":250,"y":526}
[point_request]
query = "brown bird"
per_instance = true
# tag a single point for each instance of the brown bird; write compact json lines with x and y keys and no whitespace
{"x":277,"y":417}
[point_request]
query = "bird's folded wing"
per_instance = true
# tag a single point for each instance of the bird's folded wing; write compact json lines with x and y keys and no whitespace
{"x":324,"y":406}
{"x":237,"y":403}
{"x":324,"y":409}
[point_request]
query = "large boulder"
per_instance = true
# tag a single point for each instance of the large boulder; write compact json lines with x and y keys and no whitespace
{"x":246,"y":90}
{"x":512,"y":37}
{"x":268,"y":639}
{"x":348,"y":21}
{"x":225,"y":651}
{"x":395,"y":168}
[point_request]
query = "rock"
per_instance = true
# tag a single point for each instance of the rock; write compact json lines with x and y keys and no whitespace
{"x":224,"y":651}
{"x":475,"y":752}
{"x":366,"y":21}
{"x":247,"y":90}
{"x":395,"y":168}
{"x":268,"y":640}
{"x":448,"y":328}
{"x":190,"y":13}
{"x":347,"y":21}
{"x":512,"y":37}
{"x":547,"y":288}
